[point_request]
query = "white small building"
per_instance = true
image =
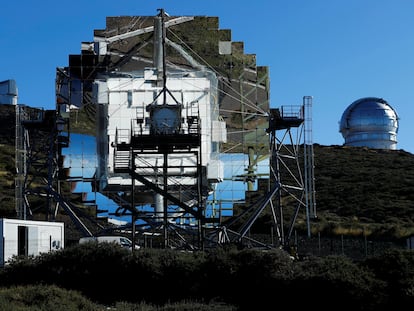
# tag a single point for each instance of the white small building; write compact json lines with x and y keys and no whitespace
{"x":29,"y":238}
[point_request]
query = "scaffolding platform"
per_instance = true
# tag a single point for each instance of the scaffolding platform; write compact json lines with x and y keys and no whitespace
{"x":285,"y":118}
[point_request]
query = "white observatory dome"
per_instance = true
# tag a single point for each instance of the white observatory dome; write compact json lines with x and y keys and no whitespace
{"x":370,"y":122}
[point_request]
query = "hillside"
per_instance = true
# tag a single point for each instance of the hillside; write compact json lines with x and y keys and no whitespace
{"x":359,"y":187}
{"x":359,"y":192}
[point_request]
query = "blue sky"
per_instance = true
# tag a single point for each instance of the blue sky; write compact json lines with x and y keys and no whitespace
{"x":334,"y":50}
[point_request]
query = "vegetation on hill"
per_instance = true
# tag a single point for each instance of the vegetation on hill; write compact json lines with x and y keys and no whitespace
{"x":219,"y":279}
{"x":364,"y":190}
{"x":360,"y":192}
{"x":7,"y":181}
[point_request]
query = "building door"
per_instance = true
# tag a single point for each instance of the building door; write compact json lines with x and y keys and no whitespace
{"x":22,"y":240}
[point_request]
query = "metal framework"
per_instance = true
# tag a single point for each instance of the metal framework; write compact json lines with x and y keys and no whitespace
{"x":291,"y":188}
{"x":36,"y":160}
{"x":292,"y":167}
{"x":40,"y":137}
{"x":182,"y":203}
{"x":128,"y":159}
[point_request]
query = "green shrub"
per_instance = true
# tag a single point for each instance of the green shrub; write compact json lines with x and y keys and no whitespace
{"x":248,"y":279}
{"x":395,"y":268}
{"x":43,"y":298}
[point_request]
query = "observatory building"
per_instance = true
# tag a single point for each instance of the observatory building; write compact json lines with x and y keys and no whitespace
{"x":370,"y":122}
{"x":8,"y":92}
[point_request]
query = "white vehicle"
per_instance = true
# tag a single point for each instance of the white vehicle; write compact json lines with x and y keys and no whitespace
{"x":123,"y":241}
